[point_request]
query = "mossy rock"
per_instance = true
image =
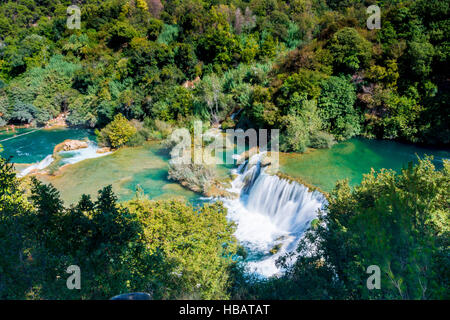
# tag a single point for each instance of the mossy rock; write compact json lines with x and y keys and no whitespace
{"x":275,"y":249}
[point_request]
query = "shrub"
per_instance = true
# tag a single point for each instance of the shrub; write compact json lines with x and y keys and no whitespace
{"x":196,"y":177}
{"x":23,"y":112}
{"x":117,"y":133}
{"x":336,"y":107}
{"x":321,"y":140}
{"x":350,"y":50}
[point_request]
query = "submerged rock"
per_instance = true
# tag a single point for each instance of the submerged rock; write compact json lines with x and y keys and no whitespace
{"x":275,"y":249}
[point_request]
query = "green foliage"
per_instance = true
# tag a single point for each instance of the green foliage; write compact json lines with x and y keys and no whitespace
{"x":219,"y":47}
{"x":12,"y":209}
{"x":120,"y":34}
{"x":167,"y":248}
{"x":336,"y":105}
{"x":196,"y":177}
{"x":213,"y":99}
{"x":198,"y":243}
{"x":305,"y":81}
{"x":267,"y":47}
{"x":47,"y":89}
{"x":131,"y":57}
{"x":168,"y":34}
{"x":302,"y":66}
{"x":117,"y":133}
{"x":350,"y":50}
{"x":301,"y":123}
{"x":23,"y":112}
{"x":321,"y":140}
{"x":399,"y":222}
{"x":420,"y":56}
{"x":186,"y":59}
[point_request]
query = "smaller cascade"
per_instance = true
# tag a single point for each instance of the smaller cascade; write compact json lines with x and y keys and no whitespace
{"x":74,"y":156}
{"x":37,"y":166}
{"x":68,"y":157}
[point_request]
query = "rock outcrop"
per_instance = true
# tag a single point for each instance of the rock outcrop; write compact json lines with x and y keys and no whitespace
{"x":69,"y":145}
{"x":104,"y":150}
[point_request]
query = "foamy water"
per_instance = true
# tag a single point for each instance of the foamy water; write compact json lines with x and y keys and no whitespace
{"x":74,"y":156}
{"x":37,"y":166}
{"x":69,"y":157}
{"x":271,"y":215}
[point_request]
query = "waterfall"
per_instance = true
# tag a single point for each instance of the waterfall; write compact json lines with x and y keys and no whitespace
{"x":68,"y":157}
{"x":74,"y":156}
{"x":271,"y":214}
{"x":37,"y":166}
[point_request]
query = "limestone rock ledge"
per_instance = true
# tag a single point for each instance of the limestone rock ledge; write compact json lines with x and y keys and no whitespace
{"x":104,"y":150}
{"x":70,"y":145}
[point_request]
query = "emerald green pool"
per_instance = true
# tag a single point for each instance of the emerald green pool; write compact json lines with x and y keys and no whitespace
{"x":353,"y":158}
{"x":125,"y":170}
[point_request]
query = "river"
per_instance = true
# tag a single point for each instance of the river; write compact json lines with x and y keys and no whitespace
{"x":271,"y":213}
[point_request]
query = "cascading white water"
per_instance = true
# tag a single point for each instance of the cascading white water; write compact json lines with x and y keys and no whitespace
{"x":270,"y":213}
{"x":69,"y":157}
{"x":37,"y":166}
{"x":74,"y":156}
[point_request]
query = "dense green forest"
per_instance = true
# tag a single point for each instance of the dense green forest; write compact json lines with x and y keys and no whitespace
{"x":311,"y":68}
{"x":166,"y":248}
{"x":308,"y":67}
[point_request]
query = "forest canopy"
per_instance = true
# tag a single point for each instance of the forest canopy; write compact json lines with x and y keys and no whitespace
{"x":273,"y":63}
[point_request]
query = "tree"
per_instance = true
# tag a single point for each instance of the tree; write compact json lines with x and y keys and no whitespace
{"x":212,"y":97}
{"x":350,"y":50}
{"x":198,"y":243}
{"x":219,"y":47}
{"x":117,"y":133}
{"x":120,"y":34}
{"x":337,"y":107}
{"x":13,"y":208}
{"x":186,"y":59}
{"x":267,"y":47}
{"x":304,"y":82}
{"x":420,"y":55}
{"x":154,"y":29}
{"x":23,"y":112}
{"x":167,"y":248}
{"x":301,"y":123}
